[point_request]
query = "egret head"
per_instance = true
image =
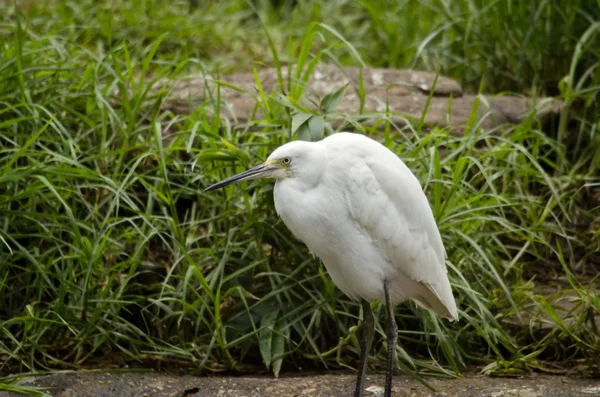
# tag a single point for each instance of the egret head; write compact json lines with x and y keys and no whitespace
{"x":298,"y":159}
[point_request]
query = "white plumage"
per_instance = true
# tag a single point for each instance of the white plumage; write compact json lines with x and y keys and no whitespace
{"x":363,"y":212}
{"x":359,"y":208}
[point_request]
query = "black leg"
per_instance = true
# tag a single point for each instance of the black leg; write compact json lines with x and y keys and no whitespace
{"x":368,"y":326}
{"x":392,"y":337}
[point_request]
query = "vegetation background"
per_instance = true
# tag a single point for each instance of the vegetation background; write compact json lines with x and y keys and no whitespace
{"x":112,"y":257}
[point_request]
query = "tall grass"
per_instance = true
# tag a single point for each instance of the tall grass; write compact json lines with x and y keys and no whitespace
{"x":111,"y":255}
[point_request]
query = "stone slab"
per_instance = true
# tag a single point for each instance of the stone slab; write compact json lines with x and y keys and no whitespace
{"x":404,"y":93}
{"x":326,"y":385}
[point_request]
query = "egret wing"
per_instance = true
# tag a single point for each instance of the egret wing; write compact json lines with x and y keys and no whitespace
{"x":386,"y":199}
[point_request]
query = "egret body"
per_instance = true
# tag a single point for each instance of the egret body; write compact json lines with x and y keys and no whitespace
{"x":360,"y":209}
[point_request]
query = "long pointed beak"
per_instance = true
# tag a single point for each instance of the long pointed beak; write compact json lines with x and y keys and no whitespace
{"x":253,"y":173}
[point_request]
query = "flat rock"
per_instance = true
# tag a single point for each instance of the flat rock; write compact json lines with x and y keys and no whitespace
{"x":162,"y":385}
{"x":569,"y":308}
{"x":404,"y":93}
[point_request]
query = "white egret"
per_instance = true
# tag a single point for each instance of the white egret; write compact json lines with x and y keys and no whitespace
{"x":360,"y":209}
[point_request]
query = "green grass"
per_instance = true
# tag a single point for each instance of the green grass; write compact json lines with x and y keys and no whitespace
{"x":111,"y":254}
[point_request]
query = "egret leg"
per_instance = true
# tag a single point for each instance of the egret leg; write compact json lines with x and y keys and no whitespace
{"x":368,"y":327}
{"x":392,"y":338}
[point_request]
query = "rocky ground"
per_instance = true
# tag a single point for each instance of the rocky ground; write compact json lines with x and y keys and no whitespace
{"x":404,"y":93}
{"x":162,"y":385}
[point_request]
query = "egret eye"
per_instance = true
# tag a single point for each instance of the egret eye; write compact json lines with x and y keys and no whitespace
{"x":286,"y":160}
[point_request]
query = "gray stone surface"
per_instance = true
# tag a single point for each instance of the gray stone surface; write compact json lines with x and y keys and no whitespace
{"x":161,"y":385}
{"x":568,"y":307}
{"x":405,"y":91}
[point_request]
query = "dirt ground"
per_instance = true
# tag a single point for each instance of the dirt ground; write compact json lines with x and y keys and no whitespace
{"x":163,"y":385}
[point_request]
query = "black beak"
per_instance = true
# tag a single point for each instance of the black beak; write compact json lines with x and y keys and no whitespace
{"x":252,"y":173}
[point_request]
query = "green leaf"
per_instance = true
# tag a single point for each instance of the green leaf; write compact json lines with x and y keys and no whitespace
{"x":25,"y":390}
{"x":278,"y":346}
{"x":303,"y":133}
{"x":437,"y":185}
{"x":331,"y":100}
{"x":311,"y":130}
{"x":215,"y":154}
{"x":298,"y":119}
{"x":30,"y":141}
{"x":158,"y":193}
{"x":265,"y":336}
{"x":316,"y":125}
{"x":261,"y":92}
{"x":240,"y":154}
